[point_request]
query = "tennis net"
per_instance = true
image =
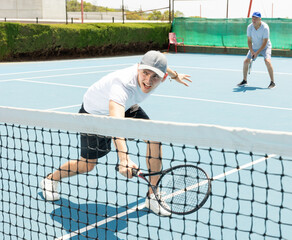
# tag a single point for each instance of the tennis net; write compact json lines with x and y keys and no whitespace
{"x":251,"y":172}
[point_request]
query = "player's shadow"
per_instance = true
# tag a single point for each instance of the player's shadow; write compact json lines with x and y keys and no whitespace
{"x":84,"y":217}
{"x":247,"y":88}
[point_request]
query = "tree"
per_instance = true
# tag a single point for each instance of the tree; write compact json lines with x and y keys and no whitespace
{"x":165,"y":15}
{"x":155,"y":15}
{"x":133,"y":15}
{"x":178,"y":14}
{"x":88,"y":7}
{"x":73,"y":6}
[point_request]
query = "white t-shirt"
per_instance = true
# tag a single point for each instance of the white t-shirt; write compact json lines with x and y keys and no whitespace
{"x":120,"y":86}
{"x":259,"y":35}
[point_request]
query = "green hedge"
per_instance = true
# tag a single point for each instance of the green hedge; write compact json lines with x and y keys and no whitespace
{"x":18,"y":39}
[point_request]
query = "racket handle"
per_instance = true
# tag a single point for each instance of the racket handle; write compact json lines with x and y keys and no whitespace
{"x":134,"y":170}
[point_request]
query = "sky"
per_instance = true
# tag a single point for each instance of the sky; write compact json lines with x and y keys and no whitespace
{"x":208,"y":8}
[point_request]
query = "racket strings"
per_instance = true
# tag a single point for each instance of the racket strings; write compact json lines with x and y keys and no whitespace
{"x":185,"y":189}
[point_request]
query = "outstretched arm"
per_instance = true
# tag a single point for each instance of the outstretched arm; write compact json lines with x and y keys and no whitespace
{"x":179,"y":77}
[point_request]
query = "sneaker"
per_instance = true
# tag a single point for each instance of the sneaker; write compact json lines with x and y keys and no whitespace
{"x":272,"y":85}
{"x":152,"y":203}
{"x":50,"y":189}
{"x":244,"y":82}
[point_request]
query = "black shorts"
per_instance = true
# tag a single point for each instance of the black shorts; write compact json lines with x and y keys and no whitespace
{"x":97,"y":146}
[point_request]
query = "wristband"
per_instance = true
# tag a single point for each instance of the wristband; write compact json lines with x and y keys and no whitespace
{"x":176,"y":75}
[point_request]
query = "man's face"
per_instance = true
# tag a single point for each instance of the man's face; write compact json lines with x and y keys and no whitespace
{"x":148,"y":80}
{"x":256,"y":21}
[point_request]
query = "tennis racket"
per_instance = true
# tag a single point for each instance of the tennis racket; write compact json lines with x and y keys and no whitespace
{"x":182,"y":189}
{"x":250,"y":65}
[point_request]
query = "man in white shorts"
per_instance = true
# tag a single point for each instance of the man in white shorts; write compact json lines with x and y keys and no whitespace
{"x":258,"y":39}
{"x":117,"y":95}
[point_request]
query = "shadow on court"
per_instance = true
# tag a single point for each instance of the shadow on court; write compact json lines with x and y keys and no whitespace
{"x":75,"y":217}
{"x":245,"y":89}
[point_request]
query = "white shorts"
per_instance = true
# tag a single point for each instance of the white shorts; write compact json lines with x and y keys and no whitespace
{"x":266,"y":53}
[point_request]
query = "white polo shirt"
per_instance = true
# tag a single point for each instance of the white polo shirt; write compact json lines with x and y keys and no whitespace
{"x":259,"y":35}
{"x":120,"y":86}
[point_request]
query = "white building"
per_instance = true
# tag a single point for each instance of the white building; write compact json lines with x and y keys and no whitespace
{"x":31,"y":9}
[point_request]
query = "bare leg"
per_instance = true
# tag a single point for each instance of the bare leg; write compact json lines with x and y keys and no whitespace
{"x":245,"y":68}
{"x":153,"y":160}
{"x":270,"y":69}
{"x":73,"y":167}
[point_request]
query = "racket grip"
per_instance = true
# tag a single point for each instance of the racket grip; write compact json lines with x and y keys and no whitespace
{"x":134,"y":170}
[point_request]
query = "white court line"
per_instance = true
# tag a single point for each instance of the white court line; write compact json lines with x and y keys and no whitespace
{"x":106,"y":220}
{"x":244,"y":166}
{"x":157,"y":95}
{"x":72,"y":60}
{"x":52,"y":76}
{"x":141,"y":206}
{"x":50,"y":83}
{"x":217,"y":177}
{"x":225,"y":102}
{"x":129,"y":64}
{"x":8,"y":80}
{"x":65,"y":107}
{"x":192,"y":99}
{"x":228,"y":70}
{"x":184,"y":98}
{"x":188,"y":98}
{"x":65,"y":69}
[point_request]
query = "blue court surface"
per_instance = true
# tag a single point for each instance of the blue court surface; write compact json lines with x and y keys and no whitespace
{"x":212,"y":98}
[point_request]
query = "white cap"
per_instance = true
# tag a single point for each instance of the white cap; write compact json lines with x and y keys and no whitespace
{"x":154,"y":61}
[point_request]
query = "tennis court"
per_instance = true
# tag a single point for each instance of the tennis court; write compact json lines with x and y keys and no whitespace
{"x":212,"y":98}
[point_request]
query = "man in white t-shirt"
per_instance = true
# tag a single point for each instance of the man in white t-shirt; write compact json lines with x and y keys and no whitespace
{"x":258,"y":39}
{"x":117,"y":95}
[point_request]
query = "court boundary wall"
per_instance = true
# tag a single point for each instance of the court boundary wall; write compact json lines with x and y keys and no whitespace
{"x":226,"y":50}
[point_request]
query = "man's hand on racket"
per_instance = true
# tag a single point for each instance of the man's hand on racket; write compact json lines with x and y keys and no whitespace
{"x":254,"y":55}
{"x":125,"y":168}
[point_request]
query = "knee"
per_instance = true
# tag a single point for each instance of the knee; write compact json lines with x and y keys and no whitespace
{"x":86,"y":165}
{"x":246,"y":61}
{"x":268,"y":61}
{"x":90,"y":166}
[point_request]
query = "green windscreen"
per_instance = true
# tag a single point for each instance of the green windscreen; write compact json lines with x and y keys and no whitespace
{"x":230,"y":32}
